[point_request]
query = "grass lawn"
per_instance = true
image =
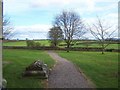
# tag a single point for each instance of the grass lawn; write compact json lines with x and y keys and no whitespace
{"x":101,"y":69}
{"x":15,"y":62}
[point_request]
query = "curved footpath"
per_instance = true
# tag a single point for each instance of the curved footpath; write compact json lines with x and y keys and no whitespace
{"x":65,"y":75}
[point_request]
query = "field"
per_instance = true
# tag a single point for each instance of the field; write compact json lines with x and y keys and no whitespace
{"x":16,"y":43}
{"x":110,"y":46}
{"x":15,"y":62}
{"x":100,"y":69}
{"x":47,"y":43}
{"x":23,"y":43}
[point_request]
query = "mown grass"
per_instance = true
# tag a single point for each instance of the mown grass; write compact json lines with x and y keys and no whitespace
{"x":15,"y":62}
{"x":101,"y":69}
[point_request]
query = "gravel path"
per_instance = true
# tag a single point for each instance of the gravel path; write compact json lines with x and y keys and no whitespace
{"x":65,"y":75}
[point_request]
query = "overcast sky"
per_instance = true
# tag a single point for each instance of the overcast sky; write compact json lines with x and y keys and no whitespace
{"x":33,"y":18}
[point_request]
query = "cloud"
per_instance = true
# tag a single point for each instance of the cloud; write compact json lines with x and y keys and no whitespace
{"x":37,"y":31}
{"x":32,"y":28}
{"x":63,"y":4}
{"x":106,"y":1}
{"x":14,"y":6}
{"x":88,"y":9}
{"x":24,"y":5}
{"x":83,"y":7}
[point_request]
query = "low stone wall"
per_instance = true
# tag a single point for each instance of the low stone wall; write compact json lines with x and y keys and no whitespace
{"x":57,"y":48}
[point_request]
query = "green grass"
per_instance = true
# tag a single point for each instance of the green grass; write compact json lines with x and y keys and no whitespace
{"x":16,"y":43}
{"x":101,"y":69}
{"x":110,"y":46}
{"x":15,"y":62}
{"x":113,"y":46}
{"x":23,"y":43}
{"x":47,"y":43}
{"x":44,"y":42}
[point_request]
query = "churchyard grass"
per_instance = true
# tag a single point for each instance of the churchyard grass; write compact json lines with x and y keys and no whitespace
{"x":102,"y":70}
{"x":14,"y":63}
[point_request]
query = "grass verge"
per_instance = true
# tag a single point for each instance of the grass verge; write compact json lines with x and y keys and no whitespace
{"x":101,"y":69}
{"x":15,"y":62}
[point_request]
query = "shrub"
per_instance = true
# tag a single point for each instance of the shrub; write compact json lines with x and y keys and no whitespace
{"x":37,"y":44}
{"x":32,"y":44}
{"x":28,"y":42}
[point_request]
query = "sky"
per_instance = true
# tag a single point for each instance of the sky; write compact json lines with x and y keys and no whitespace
{"x":33,"y":18}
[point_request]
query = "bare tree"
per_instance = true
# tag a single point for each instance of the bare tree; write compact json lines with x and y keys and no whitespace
{"x":101,"y":32}
{"x":71,"y":25}
{"x":55,"y":35}
{"x":7,"y":28}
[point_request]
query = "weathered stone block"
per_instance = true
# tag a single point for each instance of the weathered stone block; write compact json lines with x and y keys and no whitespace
{"x":38,"y":68}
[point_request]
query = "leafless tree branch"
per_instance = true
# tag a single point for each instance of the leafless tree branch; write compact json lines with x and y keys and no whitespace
{"x":7,"y":28}
{"x":71,"y":25}
{"x":100,"y":32}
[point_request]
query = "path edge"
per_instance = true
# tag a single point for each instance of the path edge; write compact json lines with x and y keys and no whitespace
{"x":85,"y":76}
{"x":90,"y":83}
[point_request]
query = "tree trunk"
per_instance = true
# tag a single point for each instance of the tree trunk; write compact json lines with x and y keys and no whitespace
{"x":68,"y":46}
{"x":103,"y":49}
{"x":55,"y":44}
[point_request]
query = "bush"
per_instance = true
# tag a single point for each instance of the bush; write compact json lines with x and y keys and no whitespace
{"x":37,"y":44}
{"x":32,"y":44}
{"x":52,"y":45}
{"x":109,"y":50}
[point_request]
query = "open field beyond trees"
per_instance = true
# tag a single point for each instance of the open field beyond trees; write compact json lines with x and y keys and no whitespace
{"x":15,"y":62}
{"x":102,"y":70}
{"x":23,"y":43}
{"x":47,"y":43}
